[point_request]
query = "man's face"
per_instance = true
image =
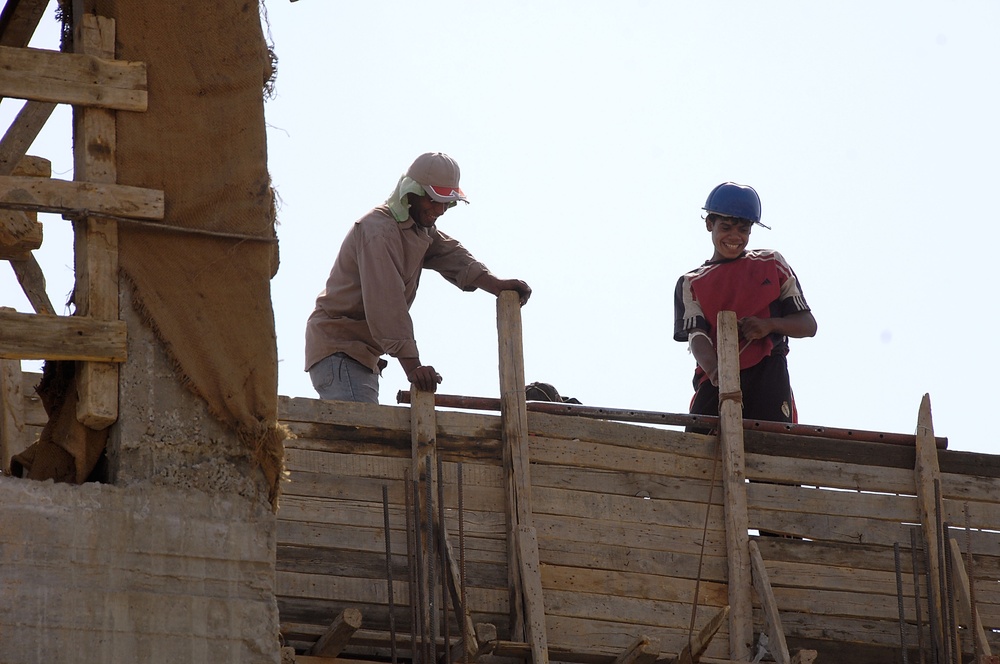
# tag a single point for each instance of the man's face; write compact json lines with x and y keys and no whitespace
{"x":729,"y":235}
{"x":425,"y":210}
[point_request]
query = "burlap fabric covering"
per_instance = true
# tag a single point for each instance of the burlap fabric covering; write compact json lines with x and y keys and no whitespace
{"x":205,"y":290}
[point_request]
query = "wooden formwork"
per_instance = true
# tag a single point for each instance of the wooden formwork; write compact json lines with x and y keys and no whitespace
{"x":638,"y":537}
{"x":623,"y":540}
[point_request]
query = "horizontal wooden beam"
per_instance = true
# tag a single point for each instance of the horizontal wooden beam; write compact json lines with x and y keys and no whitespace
{"x":62,"y":196}
{"x":43,"y":337}
{"x":72,"y":78}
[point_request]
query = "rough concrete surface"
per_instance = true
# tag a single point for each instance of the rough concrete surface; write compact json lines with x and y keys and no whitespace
{"x":165,"y":434}
{"x":97,"y":573}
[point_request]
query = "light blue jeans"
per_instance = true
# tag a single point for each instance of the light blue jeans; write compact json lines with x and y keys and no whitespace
{"x":339,"y":377}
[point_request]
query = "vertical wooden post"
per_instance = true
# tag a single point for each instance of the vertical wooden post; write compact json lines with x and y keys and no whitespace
{"x":96,"y":244}
{"x":12,"y":438}
{"x":423,"y":448}
{"x":734,"y":488}
{"x":927,"y":475}
{"x":527,"y":607}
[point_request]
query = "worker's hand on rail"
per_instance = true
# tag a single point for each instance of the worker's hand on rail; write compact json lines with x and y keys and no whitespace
{"x":495,"y":286}
{"x":424,"y":377}
{"x":753,"y":328}
{"x":523,"y":289}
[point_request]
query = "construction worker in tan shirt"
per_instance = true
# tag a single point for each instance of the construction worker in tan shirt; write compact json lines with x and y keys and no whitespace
{"x":363,"y":313}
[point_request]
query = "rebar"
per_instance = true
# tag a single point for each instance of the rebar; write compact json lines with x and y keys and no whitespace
{"x":431,"y":564}
{"x":899,"y":602}
{"x":461,"y":566}
{"x":443,"y":545}
{"x":411,"y":566}
{"x":942,"y":575}
{"x":916,"y":595}
{"x":421,"y":618}
{"x":973,"y":612}
{"x":954,"y":642}
{"x":932,"y":618}
{"x":388,"y":573}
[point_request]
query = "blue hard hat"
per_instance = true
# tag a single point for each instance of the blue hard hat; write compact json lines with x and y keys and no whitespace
{"x":734,"y":200}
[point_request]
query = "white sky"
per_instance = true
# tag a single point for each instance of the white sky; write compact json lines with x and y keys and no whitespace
{"x":590,"y":133}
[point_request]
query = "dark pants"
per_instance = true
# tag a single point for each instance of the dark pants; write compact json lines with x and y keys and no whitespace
{"x":767,"y":394}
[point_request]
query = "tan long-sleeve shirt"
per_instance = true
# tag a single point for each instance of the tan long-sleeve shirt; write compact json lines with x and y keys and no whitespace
{"x":364,"y":309}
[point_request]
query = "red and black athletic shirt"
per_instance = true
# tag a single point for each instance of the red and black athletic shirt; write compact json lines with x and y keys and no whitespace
{"x":759,"y":283}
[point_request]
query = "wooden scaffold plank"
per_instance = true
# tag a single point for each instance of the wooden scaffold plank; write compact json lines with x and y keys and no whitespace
{"x":43,"y":337}
{"x":72,"y":78}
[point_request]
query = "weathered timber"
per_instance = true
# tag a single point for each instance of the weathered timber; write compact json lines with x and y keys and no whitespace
{"x":29,"y":275}
{"x":617,"y":537}
{"x":772,"y":620}
{"x":423,"y":455}
{"x":96,"y":240}
{"x":18,"y":21}
{"x":928,"y":482}
{"x":13,"y":438}
{"x":804,"y":657}
{"x":694,"y":648}
{"x":20,"y":135}
{"x":526,"y":601}
{"x":72,"y":78}
{"x":20,"y":232}
{"x":316,"y":598}
{"x":42,"y":337}
{"x":963,"y":596}
{"x":734,"y":486}
{"x":338,"y":635}
{"x":17,"y":245}
{"x":61,"y":196}
{"x":643,"y":650}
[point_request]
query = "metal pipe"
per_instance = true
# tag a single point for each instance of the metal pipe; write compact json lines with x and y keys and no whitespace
{"x":388,"y":573}
{"x":675,"y":419}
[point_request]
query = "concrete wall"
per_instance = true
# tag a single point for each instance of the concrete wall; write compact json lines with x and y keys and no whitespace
{"x":171,"y":562}
{"x":97,"y":573}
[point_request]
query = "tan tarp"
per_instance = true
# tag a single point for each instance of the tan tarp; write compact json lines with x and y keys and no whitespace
{"x":205,"y":291}
{"x":202,"y":141}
